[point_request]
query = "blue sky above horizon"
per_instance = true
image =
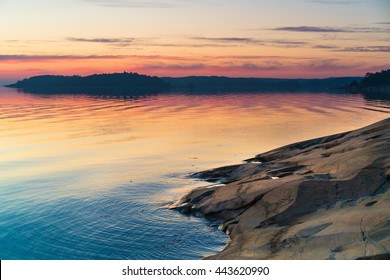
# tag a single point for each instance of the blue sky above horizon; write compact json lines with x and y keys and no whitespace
{"x":280,"y":38}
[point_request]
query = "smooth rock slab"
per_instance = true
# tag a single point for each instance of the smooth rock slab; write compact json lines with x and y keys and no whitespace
{"x":326,"y":198}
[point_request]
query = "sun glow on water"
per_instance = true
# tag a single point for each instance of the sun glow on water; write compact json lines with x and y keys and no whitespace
{"x":89,"y":177}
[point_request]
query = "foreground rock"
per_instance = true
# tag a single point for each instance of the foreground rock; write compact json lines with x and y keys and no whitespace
{"x":326,"y":198}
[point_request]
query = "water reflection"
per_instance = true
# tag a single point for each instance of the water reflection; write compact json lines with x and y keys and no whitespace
{"x":377,"y":96}
{"x":85,"y":177}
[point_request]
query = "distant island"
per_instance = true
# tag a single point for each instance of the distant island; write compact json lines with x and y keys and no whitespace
{"x":137,"y":83}
{"x":223,"y":84}
{"x":97,"y":83}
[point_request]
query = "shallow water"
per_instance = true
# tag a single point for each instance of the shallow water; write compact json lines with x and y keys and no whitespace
{"x":89,"y":177}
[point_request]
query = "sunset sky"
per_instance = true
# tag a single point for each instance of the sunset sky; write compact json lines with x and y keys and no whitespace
{"x":278,"y":38}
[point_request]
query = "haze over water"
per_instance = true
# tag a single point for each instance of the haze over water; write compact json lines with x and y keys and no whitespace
{"x":89,"y":177}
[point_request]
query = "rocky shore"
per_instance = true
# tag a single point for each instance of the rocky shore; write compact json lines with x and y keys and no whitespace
{"x":326,"y":198}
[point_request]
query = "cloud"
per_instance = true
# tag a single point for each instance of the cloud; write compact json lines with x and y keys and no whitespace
{"x":369,"y":30}
{"x":227,"y":39}
{"x":328,"y":64}
{"x":319,"y":29}
{"x":123,"y":42}
{"x":214,"y":42}
{"x":257,"y":67}
{"x":207,"y":69}
{"x":252,"y":57}
{"x":25,"y":58}
{"x":22,"y":57}
{"x":131,"y":4}
{"x":186,"y":45}
{"x":326,"y":47}
{"x":383,"y":22}
{"x":153,"y":66}
{"x":101,"y":40}
{"x":287,"y":43}
{"x":311,"y":29}
{"x":366,"y":49}
{"x":147,"y":42}
{"x":272,"y":66}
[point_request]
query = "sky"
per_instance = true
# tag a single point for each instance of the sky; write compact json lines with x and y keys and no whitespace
{"x":237,"y":38}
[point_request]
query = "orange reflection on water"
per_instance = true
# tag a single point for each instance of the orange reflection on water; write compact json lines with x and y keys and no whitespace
{"x":109,"y":141}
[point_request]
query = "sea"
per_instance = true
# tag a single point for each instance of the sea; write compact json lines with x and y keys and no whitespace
{"x":86,"y":176}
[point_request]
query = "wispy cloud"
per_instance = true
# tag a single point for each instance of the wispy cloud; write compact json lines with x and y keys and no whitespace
{"x":101,"y":40}
{"x":153,"y":66}
{"x":326,"y":65}
{"x":132,"y":3}
{"x":217,"y":42}
{"x":366,"y":49}
{"x":327,"y":47}
{"x":204,"y":69}
{"x":311,"y":29}
{"x":156,"y":42}
{"x":186,"y":45}
{"x":369,"y":30}
{"x":22,"y":57}
{"x":248,"y":40}
{"x":324,"y":29}
{"x":227,"y":39}
{"x":287,"y":43}
{"x":114,"y":41}
{"x":254,"y":57}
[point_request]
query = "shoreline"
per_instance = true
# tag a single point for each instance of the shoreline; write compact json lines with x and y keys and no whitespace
{"x":324,"y":198}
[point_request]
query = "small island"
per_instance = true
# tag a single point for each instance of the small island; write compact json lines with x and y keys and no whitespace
{"x":97,"y":83}
{"x":372,"y":82}
{"x":325,"y":198}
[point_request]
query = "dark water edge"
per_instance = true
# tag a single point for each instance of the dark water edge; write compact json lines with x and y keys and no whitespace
{"x":118,"y":225}
{"x":136,"y":93}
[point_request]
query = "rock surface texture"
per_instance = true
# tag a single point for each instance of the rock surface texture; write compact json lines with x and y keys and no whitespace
{"x":326,"y":198}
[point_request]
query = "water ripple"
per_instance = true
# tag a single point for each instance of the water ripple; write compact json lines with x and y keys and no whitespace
{"x":85,"y":177}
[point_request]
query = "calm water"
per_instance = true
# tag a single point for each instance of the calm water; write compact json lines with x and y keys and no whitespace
{"x":84,"y":177}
